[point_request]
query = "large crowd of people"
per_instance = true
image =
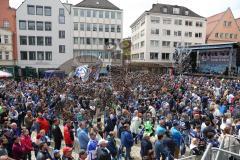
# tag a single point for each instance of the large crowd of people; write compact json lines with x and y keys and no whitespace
{"x":163,"y":115}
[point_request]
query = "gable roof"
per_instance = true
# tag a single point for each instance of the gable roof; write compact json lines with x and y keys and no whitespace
{"x":101,"y":4}
{"x":158,"y":8}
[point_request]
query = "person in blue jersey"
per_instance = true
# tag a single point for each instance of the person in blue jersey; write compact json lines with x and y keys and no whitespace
{"x":177,"y":137}
{"x":92,"y":147}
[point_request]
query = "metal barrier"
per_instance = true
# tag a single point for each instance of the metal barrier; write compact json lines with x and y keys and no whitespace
{"x":189,"y":158}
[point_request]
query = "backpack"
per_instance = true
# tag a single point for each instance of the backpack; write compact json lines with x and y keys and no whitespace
{"x":103,"y":154}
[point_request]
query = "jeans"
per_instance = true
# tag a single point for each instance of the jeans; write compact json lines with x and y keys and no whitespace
{"x":128,"y":153}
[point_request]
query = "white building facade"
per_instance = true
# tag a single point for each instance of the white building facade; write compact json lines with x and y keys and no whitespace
{"x":43,"y":34}
{"x":6,"y":48}
{"x":157,"y":32}
{"x":97,"y":31}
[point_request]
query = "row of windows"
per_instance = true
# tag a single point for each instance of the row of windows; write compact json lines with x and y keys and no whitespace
{"x":97,"y":27}
{"x":5,"y":24}
{"x":153,"y":56}
{"x":156,"y":20}
{"x":33,"y":55}
{"x":226,"y":35}
{"x":32,"y":25}
{"x":97,"y":13}
{"x":95,"y":41}
{"x":4,"y":39}
{"x":166,"y":32}
{"x":38,"y":10}
{"x":32,"y":40}
{"x":101,"y":54}
{"x":6,"y":55}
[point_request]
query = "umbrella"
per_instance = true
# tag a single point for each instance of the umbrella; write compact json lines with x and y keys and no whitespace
{"x":4,"y":74}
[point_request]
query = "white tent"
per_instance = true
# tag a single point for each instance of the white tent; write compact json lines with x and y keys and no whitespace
{"x":4,"y":74}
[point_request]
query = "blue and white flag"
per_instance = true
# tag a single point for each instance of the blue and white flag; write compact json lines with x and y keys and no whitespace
{"x":83,"y":72}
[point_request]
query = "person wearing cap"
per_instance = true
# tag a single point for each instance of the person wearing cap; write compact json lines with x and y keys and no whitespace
{"x":67,"y":153}
{"x":146,"y":145}
{"x":56,"y":154}
{"x":102,"y":152}
{"x":82,"y":154}
{"x":127,"y":140}
{"x":177,"y":137}
{"x":57,"y":134}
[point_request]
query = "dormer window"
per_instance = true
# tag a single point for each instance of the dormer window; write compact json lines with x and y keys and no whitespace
{"x":176,"y":10}
{"x":186,"y":13}
{"x":165,"y":10}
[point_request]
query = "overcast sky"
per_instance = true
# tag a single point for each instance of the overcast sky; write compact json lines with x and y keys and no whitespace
{"x":134,"y":8}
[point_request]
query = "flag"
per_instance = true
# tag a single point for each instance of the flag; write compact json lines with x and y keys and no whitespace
{"x":83,"y":72}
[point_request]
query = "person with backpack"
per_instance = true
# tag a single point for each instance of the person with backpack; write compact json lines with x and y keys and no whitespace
{"x":102,"y":152}
{"x":146,"y":145}
{"x":159,"y":148}
{"x":127,"y":140}
{"x":112,"y":146}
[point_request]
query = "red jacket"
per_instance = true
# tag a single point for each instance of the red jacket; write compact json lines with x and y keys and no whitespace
{"x":43,"y":124}
{"x":17,"y":151}
{"x":26,"y":143}
{"x":67,"y":135}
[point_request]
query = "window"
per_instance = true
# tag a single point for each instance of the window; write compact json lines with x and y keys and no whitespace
{"x":82,"y":13}
{"x":94,"y":41}
{"x":106,"y":14}
{"x":61,"y":48}
{"x":31,"y":25}
{"x":199,"y":24}
{"x":6,"y":39}
{"x":75,"y":40}
{"x":176,"y":10}
{"x":178,"y":22}
{"x":40,"y":26}
{"x":165,"y":56}
{"x":235,"y":36}
{"x":61,"y":19}
{"x":39,"y":10}
{"x":23,"y":40}
{"x":113,"y":16}
{"x":231,"y":35}
{"x":167,"y":21}
{"x":187,"y":44}
{"x":188,"y":23}
{"x":141,"y":56}
{"x":226,"y":35}
{"x":142,"y":33}
{"x":48,"y":56}
{"x":119,"y":15}
{"x":82,"y":27}
{"x":100,"y":41}
{"x":166,"y":32}
{"x":95,"y":27}
{"x":154,"y":43}
{"x":154,"y":31}
{"x":48,"y":41}
{"x":61,"y":12}
{"x":6,"y":24}
{"x":118,"y":28}
{"x":153,"y":55}
{"x":82,"y":40}
{"x":31,"y":9}
{"x":40,"y":55}
{"x":112,"y":28}
{"x":106,"y":28}
{"x":88,"y":27}
{"x":40,"y":41}
{"x":89,"y":12}
{"x":48,"y":26}
{"x":31,"y":40}
{"x":198,"y":35}
{"x":155,"y":19}
{"x":100,"y":29}
{"x":188,"y":34}
{"x":142,"y":43}
{"x":75,"y":12}
{"x":227,"y":23}
{"x":221,"y":35}
{"x":178,"y":33}
{"x":176,"y":44}
{"x":23,"y":55}
{"x":61,"y":34}
{"x":100,"y":14}
{"x":165,"y":10}
{"x":32,"y":55}
{"x":75,"y":26}
{"x":216,"y":35}
{"x":186,"y":13}
{"x":7,"y":55}
{"x":166,"y":43}
{"x":1,"y":55}
{"x":88,"y":41}
{"x":22,"y":25}
{"x":95,"y":13}
{"x":47,"y":11}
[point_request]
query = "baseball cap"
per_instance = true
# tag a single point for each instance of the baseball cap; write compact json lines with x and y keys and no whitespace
{"x":67,"y":149}
{"x":56,"y":151}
